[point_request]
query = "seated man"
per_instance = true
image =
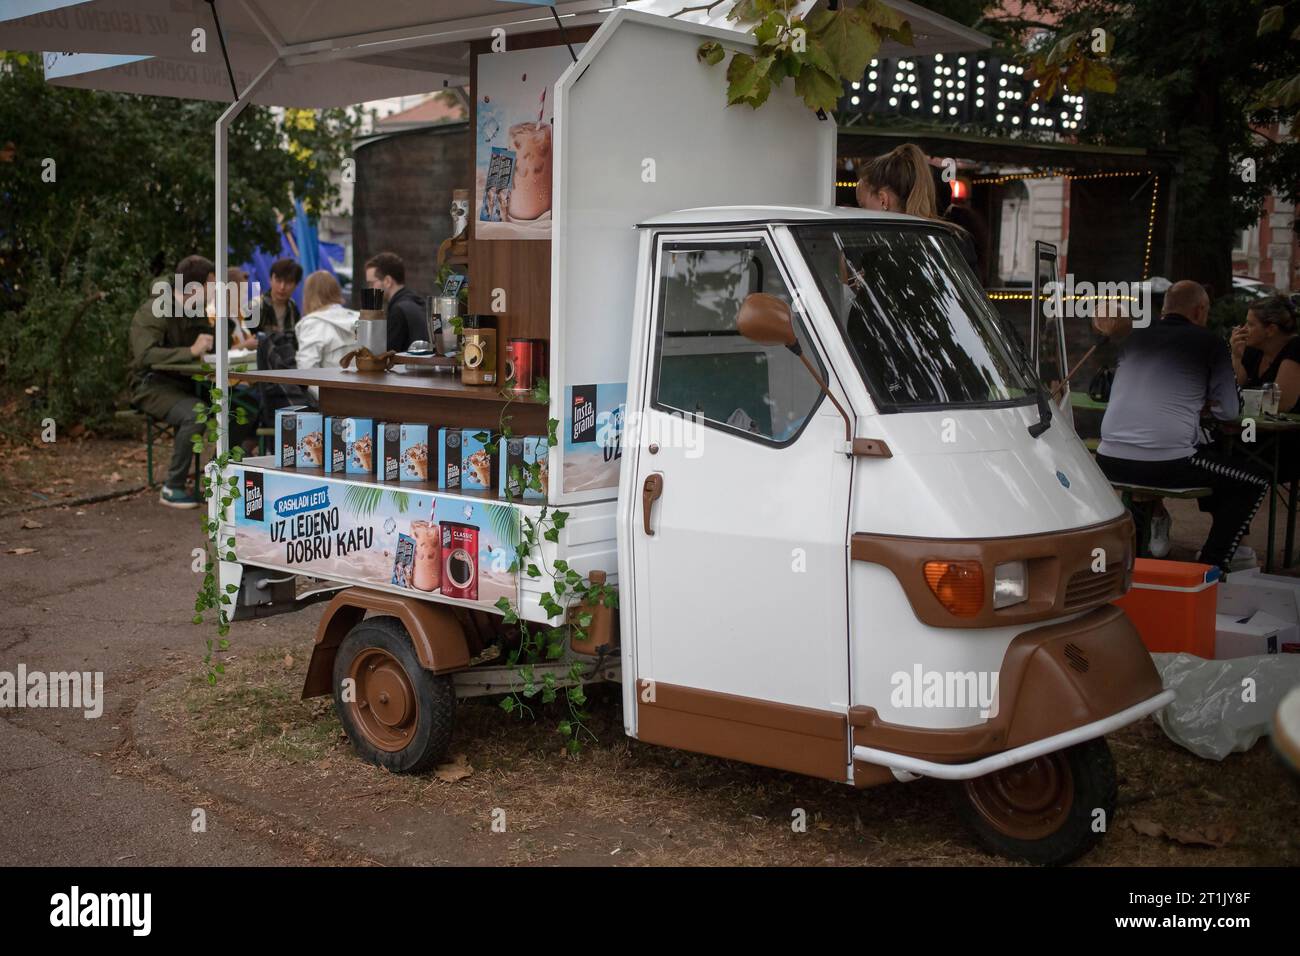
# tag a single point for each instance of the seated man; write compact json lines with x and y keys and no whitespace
{"x":1166,"y":375}
{"x":162,"y":333}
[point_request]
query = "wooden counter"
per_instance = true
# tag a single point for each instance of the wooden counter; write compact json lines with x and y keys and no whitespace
{"x":433,"y":398}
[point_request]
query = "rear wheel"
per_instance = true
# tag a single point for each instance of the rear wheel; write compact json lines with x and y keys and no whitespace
{"x":395,"y":712}
{"x":1044,"y":810}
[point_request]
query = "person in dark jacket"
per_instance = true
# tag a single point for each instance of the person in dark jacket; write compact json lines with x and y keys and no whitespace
{"x":275,"y":310}
{"x":406,"y":321}
{"x":172,"y":328}
{"x":1151,"y":432}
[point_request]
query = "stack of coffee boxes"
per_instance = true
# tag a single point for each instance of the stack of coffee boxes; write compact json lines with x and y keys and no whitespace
{"x":401,"y":451}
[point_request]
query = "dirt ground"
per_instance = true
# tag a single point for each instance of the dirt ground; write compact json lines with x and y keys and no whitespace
{"x":108,"y":586}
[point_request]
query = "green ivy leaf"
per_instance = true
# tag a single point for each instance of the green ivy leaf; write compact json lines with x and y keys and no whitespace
{"x":818,"y":89}
{"x":849,"y":38}
{"x":1270,"y":21}
{"x":710,"y":52}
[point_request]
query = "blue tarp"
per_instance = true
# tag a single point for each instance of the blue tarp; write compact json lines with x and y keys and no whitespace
{"x":315,"y":254}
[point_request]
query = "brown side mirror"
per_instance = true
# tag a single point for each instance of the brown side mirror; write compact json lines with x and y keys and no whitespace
{"x":765,"y":319}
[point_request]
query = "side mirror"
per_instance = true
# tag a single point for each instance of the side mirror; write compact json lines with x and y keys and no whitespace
{"x":765,"y":319}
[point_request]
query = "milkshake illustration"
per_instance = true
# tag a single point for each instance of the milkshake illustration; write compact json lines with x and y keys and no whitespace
{"x":363,"y":453}
{"x":415,"y":463}
{"x":428,"y":555}
{"x":530,"y":195}
{"x":311,"y":449}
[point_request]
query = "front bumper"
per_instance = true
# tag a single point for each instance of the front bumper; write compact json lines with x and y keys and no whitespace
{"x":905,"y":767}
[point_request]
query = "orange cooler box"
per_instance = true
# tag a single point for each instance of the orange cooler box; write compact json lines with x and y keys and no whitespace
{"x":1172,"y":605}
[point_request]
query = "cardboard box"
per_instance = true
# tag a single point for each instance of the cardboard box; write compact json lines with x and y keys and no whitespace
{"x":478,"y":466}
{"x":449,"y":458}
{"x":1246,"y":592}
{"x":388,"y":451}
{"x":350,"y":445}
{"x":1261,"y":633}
{"x":299,"y":439}
{"x":517,"y":455}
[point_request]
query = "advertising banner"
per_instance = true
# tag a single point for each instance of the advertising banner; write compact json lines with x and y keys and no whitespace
{"x":387,"y":538}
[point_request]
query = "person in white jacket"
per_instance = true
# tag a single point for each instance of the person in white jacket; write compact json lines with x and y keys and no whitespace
{"x":328,"y":329}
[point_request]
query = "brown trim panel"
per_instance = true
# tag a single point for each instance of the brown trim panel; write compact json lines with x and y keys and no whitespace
{"x":436,"y":633}
{"x":800,"y":739}
{"x":1059,"y":566}
{"x":1052,"y":679}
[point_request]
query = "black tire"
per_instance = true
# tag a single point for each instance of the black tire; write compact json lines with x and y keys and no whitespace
{"x":1048,"y":816}
{"x":407,"y":725}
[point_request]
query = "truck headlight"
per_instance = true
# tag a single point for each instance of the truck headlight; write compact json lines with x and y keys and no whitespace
{"x":1010,"y":584}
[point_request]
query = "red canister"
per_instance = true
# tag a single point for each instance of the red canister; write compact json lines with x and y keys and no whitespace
{"x":460,"y":560}
{"x":526,"y":363}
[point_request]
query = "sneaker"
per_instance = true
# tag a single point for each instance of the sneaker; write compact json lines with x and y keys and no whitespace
{"x":1243,"y":558}
{"x":177,"y":498}
{"x":1159,"y":543}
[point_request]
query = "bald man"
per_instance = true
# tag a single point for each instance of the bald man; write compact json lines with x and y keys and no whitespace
{"x":1151,"y":434}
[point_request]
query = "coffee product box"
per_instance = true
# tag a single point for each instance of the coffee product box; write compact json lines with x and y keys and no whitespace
{"x":350,"y":445}
{"x":449,"y":457}
{"x":299,"y":438}
{"x":388,"y":451}
{"x":478,"y":466}
{"x":414,"y":448}
{"x":518,"y":454}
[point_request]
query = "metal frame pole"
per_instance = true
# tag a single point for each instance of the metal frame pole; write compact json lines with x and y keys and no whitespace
{"x":222,"y":132}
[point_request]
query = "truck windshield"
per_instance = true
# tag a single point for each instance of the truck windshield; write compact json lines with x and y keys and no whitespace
{"x":920,"y":328}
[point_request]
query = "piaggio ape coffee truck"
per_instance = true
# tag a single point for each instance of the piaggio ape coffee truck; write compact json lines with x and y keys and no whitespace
{"x":851,"y":534}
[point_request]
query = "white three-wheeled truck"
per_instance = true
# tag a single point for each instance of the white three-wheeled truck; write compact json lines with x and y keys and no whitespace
{"x":851,"y":534}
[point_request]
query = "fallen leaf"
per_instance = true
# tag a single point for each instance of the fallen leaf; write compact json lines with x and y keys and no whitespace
{"x":457,"y":769}
{"x":288,"y":661}
{"x":115,"y":476}
{"x":1216,"y":835}
{"x":30,"y":524}
{"x":22,"y":551}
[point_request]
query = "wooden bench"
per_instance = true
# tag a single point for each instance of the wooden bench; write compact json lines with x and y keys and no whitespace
{"x":1140,"y":501}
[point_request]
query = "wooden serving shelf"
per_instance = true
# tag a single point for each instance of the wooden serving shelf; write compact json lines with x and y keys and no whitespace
{"x":412,"y":397}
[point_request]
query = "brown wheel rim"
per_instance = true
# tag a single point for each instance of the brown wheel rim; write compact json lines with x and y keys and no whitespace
{"x":1029,"y":801}
{"x":386,"y":709}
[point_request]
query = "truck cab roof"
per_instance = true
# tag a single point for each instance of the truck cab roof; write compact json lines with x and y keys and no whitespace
{"x":701,"y":216}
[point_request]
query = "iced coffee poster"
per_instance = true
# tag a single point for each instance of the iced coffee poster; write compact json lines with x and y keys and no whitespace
{"x":593,"y":433}
{"x":513,"y":142}
{"x":381,"y":537}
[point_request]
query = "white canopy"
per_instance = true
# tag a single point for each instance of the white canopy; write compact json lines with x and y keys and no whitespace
{"x":330,"y":52}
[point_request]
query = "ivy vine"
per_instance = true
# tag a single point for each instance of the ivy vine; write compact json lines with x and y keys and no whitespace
{"x":546,"y":643}
{"x":211,"y":596}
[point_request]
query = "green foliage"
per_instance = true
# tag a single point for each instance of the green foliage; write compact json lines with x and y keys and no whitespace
{"x":216,"y":484}
{"x":131,"y":195}
{"x":819,"y":54}
{"x":567,"y":588}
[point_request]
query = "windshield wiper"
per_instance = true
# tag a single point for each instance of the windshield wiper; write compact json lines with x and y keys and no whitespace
{"x":1044,"y":413}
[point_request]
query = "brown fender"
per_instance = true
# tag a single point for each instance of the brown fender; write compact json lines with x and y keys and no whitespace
{"x":436,"y":633}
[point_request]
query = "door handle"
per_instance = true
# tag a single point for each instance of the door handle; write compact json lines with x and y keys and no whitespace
{"x":650,"y":492}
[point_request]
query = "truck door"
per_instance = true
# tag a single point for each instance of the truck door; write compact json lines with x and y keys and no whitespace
{"x":737,"y":519}
{"x":1048,"y":338}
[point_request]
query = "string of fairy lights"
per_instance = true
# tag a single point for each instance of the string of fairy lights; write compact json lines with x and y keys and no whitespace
{"x":1003,"y":179}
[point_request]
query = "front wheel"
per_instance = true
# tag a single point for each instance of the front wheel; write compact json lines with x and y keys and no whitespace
{"x":1045,"y":810}
{"x":395,"y":712}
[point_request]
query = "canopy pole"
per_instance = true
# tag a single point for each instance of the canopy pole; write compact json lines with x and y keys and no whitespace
{"x":222,"y":131}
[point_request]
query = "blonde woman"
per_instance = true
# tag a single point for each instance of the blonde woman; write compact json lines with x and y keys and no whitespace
{"x":901,"y":181}
{"x":328,"y":329}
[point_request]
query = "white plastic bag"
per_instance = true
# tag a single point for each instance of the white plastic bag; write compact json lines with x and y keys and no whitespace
{"x":1223,"y":706}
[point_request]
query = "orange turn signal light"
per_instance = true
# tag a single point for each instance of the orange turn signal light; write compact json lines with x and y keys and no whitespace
{"x":959,"y":585}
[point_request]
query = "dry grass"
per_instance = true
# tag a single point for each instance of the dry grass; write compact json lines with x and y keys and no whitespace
{"x":624,"y":802}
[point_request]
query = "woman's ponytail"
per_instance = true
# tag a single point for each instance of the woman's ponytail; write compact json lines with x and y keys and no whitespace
{"x":905,"y":170}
